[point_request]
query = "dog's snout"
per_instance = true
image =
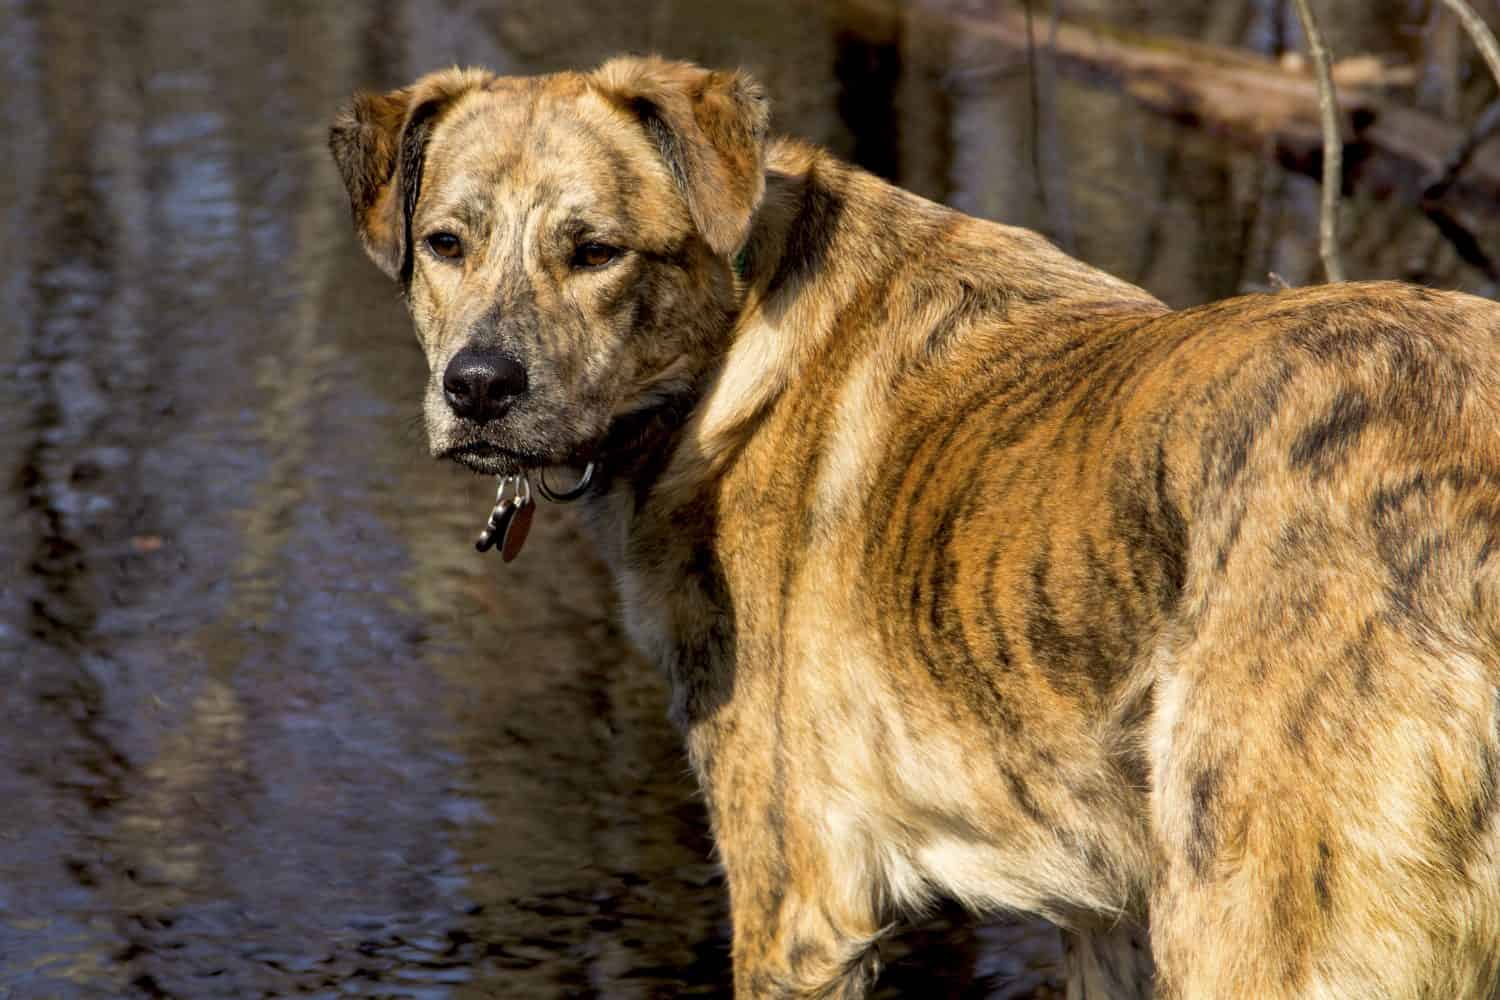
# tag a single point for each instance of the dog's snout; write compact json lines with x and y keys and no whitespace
{"x":480,"y":384}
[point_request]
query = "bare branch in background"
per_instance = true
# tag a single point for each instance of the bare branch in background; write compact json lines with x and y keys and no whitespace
{"x":1486,"y":125}
{"x":1333,"y":145}
{"x":1034,"y":110}
{"x":1062,"y":222}
{"x":1465,"y":242}
{"x":1480,"y":32}
{"x":1046,"y":136}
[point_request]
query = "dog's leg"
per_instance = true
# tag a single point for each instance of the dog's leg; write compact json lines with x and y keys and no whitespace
{"x":789,"y":943}
{"x":1108,"y":964}
{"x":802,"y":901}
{"x":1345,"y":841}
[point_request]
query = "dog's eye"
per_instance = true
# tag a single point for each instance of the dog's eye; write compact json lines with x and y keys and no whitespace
{"x":446,"y":245}
{"x":594,"y":255}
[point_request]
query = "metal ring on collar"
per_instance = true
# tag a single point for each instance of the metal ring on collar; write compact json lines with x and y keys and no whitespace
{"x":578,"y":490}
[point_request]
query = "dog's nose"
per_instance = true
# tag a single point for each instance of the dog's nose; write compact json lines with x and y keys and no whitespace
{"x":480,"y":384}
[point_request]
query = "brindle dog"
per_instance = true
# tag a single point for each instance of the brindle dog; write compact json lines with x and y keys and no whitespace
{"x":978,"y":572}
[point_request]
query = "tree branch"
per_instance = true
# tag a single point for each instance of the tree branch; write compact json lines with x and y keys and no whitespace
{"x":1333,"y":145}
{"x":1480,"y":32}
{"x":1486,"y":125}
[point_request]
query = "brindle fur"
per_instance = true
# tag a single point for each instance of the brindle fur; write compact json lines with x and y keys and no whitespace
{"x":978,"y":572}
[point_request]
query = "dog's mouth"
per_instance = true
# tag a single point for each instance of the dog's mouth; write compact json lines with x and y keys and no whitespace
{"x":627,"y":432}
{"x":493,"y":460}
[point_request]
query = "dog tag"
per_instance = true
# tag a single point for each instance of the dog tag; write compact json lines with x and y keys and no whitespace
{"x":497,"y":528}
{"x":517,"y":526}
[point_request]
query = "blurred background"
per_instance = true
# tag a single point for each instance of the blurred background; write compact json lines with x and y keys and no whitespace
{"x":271,"y":726}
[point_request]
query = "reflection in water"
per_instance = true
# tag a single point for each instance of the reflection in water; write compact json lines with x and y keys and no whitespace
{"x":273,"y":727}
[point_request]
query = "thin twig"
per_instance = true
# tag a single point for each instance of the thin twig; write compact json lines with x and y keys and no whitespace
{"x":1062,"y":225}
{"x":1480,"y":32}
{"x":1333,"y":146}
{"x":1464,"y":240}
{"x":1486,"y":125}
{"x":1034,"y":123}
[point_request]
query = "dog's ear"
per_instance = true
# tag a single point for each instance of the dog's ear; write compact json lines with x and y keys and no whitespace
{"x":380,"y":145}
{"x":711,"y":129}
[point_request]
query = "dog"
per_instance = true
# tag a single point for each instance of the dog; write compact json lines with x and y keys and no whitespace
{"x":977,"y":572}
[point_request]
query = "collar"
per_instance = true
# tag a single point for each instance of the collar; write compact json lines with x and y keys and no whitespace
{"x":628,"y":439}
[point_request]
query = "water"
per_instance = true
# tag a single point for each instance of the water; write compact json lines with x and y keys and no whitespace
{"x":272,"y":727}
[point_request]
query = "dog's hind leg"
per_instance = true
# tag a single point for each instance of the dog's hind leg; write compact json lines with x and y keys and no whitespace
{"x":1331,"y":832}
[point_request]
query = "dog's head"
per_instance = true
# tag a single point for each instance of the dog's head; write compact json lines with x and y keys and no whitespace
{"x":564,"y":243}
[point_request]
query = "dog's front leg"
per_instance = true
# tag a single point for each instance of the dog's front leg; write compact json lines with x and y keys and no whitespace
{"x":802,"y":901}
{"x":788,"y":940}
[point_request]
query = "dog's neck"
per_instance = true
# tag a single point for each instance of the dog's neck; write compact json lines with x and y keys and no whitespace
{"x":782,"y":275}
{"x":638,"y":444}
{"x":810,"y":251}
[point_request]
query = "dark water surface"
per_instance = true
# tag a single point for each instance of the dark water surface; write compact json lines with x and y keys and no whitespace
{"x":270,"y":725}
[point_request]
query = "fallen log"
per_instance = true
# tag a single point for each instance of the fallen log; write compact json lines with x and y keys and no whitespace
{"x":1390,"y":150}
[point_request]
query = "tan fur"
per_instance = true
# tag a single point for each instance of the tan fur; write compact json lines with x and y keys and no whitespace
{"x":978,"y":572}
